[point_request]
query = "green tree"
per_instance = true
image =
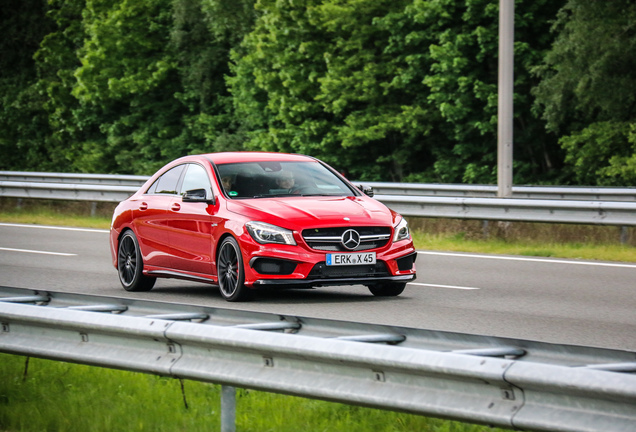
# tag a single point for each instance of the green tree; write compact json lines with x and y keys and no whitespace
{"x":116,"y":86}
{"x":23,"y":125}
{"x":588,"y":90}
{"x":327,"y":79}
{"x":393,"y":90}
{"x":56,"y":60}
{"x":126,"y":85}
{"x":202,"y":36}
{"x":152,"y":79}
{"x":462,"y":78}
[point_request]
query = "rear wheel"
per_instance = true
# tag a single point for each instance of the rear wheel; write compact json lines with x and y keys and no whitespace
{"x":130,"y":265}
{"x":231,"y":272}
{"x":387,"y":289}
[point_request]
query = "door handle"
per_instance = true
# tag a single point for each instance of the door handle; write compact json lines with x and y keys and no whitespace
{"x":175,"y":207}
{"x":143,"y":206}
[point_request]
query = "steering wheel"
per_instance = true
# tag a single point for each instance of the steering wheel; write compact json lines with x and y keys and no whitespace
{"x":300,"y":190}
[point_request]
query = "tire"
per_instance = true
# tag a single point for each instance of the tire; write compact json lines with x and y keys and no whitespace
{"x":387,"y":289}
{"x":231,"y":272}
{"x":130,"y":265}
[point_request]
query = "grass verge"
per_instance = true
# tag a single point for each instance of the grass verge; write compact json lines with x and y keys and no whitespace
{"x":530,"y":239}
{"x":56,"y":213}
{"x":64,"y":397}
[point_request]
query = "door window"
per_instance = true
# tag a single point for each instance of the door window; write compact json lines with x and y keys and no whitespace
{"x":168,"y":182}
{"x":195,"y":178}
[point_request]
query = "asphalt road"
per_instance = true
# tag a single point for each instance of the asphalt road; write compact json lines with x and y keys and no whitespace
{"x":551,"y":300}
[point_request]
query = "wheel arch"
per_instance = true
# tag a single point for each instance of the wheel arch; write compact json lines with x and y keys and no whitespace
{"x":218,"y":244}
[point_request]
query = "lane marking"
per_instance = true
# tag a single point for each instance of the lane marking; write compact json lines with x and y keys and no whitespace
{"x":520,"y":258}
{"x":37,"y":252}
{"x":55,"y":228}
{"x":444,"y":286}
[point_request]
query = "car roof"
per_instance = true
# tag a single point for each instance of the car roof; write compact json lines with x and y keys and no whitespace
{"x":234,"y":157}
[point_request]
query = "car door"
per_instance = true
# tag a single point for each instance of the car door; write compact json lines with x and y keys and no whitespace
{"x":193,"y":224}
{"x":151,"y":221}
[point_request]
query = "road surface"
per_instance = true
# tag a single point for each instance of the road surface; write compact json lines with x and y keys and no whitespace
{"x":550,"y":300}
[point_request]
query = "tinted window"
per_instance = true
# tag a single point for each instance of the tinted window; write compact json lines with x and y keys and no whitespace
{"x":195,"y":178}
{"x":270,"y":179}
{"x":167,"y":183}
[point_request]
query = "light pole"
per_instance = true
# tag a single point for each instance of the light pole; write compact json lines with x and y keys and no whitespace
{"x":505,"y":109}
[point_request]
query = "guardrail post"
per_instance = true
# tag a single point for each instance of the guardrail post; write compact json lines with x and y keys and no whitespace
{"x":228,"y":409}
{"x":485,"y":229}
{"x":624,"y":235}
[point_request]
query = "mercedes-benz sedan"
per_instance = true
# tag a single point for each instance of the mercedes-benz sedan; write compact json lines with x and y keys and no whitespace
{"x":246,"y":220}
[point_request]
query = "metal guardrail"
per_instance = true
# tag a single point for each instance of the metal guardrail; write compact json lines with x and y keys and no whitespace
{"x":89,"y":179}
{"x":574,"y":193}
{"x":514,"y":384}
{"x":66,"y":191}
{"x":73,"y":187}
{"x":520,"y":210}
{"x":599,"y":206}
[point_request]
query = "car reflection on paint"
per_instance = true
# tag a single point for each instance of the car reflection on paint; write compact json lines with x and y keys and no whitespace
{"x":245,"y":220}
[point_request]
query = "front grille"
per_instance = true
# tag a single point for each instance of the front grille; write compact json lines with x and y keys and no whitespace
{"x":330,"y":239}
{"x":323,"y":271}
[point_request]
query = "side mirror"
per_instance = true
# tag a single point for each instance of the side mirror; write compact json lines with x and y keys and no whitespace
{"x":198,"y":195}
{"x":366,"y":189}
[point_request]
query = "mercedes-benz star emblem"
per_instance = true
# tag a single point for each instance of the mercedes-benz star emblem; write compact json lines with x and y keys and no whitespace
{"x":351,"y":239}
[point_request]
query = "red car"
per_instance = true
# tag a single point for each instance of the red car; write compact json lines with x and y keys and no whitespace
{"x":249,"y":220}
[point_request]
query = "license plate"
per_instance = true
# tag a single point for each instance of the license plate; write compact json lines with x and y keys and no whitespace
{"x":341,"y":259}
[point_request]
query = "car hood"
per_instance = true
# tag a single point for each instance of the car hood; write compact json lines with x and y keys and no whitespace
{"x":304,"y":212}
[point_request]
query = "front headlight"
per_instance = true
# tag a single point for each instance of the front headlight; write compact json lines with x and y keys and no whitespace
{"x":265,"y":233}
{"x":401,"y":231}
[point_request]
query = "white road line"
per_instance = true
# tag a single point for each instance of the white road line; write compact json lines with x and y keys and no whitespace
{"x":54,"y":228}
{"x":444,"y":286}
{"x":37,"y":252}
{"x":521,"y":258}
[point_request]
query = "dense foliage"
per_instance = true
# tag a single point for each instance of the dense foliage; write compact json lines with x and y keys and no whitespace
{"x":588,"y":90}
{"x":400,"y":90}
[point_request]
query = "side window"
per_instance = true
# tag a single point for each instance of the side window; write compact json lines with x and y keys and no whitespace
{"x":167,"y":183}
{"x":195,"y":178}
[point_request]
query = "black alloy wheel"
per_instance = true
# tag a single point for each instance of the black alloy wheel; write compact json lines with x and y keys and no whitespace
{"x":387,"y":289}
{"x":130,"y":265}
{"x":231,"y":272}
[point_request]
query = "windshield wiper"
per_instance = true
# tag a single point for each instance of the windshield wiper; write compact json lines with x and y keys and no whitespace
{"x":273,"y":195}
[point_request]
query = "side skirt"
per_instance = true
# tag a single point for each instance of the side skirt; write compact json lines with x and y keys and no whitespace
{"x":185,"y":276}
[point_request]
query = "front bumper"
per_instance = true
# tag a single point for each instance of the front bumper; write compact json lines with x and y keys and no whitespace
{"x":308,"y":283}
{"x":272,"y":272}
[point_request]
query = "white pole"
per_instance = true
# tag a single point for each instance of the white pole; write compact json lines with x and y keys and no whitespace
{"x":505,"y":109}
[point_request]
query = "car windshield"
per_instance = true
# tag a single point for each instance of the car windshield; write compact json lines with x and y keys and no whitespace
{"x":276,"y":179}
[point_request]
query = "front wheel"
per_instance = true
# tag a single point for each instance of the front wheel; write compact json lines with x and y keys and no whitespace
{"x":130,"y":265}
{"x":387,"y":289}
{"x":231,"y":272}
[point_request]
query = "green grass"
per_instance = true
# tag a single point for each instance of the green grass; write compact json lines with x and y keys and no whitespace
{"x":529,"y":239}
{"x":64,"y":397}
{"x":45,"y":212}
